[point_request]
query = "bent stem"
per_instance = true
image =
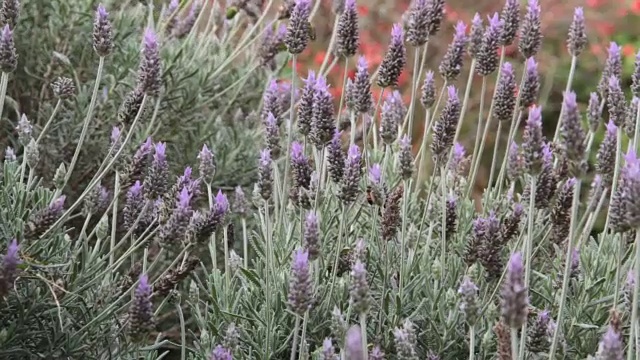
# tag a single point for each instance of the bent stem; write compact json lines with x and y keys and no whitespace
{"x":87,"y":119}
{"x":567,"y":269}
{"x":49,"y":122}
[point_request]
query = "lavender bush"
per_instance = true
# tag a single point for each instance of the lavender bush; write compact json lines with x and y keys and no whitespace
{"x":340,"y":252}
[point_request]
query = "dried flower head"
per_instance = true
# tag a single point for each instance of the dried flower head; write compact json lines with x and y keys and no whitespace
{"x":63,"y":88}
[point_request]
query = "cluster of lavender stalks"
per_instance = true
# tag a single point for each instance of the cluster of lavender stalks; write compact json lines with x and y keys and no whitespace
{"x":315,"y":157}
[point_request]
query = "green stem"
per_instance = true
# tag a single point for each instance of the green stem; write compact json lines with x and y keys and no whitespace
{"x":50,"y":121}
{"x":334,"y":270}
{"x":465,"y":101}
{"x":574,"y":61}
{"x":496,"y":145}
{"x":87,"y":120}
{"x":567,"y":270}
{"x":514,"y":343}
{"x":403,"y":238}
{"x":156,"y":110}
{"x":634,"y":308}
{"x":363,"y":334}
{"x":528,"y":244}
{"x":269,"y":267}
{"x":227,"y":268}
{"x":245,"y":243}
{"x":303,"y":338}
{"x":213,"y":247}
{"x":478,"y":140}
{"x":472,"y":341}
{"x":285,"y":175}
{"x":294,"y":347}
{"x":183,"y":333}
{"x":114,"y":218}
{"x":407,"y":124}
{"x":332,"y":41}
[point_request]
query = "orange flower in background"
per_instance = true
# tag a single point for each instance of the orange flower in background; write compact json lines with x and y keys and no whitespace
{"x":628,"y":50}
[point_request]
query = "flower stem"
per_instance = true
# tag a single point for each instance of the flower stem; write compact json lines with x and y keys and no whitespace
{"x":514,"y":343}
{"x":4,"y":81}
{"x":283,"y":195}
{"x":227,"y":268}
{"x":567,"y":270}
{"x":574,"y":61}
{"x":245,"y":243}
{"x":479,"y":139}
{"x":114,"y":218}
{"x":496,"y":145}
{"x":303,"y":338}
{"x":87,"y":120}
{"x":363,"y":334}
{"x":212,"y":241}
{"x":334,"y":270}
{"x":294,"y":347}
{"x":50,"y":121}
{"x":403,"y":242}
{"x":472,"y":341}
{"x":407,"y":124}
{"x":634,"y":308}
{"x":528,"y":244}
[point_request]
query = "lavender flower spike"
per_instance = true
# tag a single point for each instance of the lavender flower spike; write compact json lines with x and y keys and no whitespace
{"x":336,"y":157}
{"x":487,"y":56}
{"x":572,"y":134}
{"x":405,"y":158}
{"x":8,"y":56}
{"x":352,"y":174}
{"x":476,"y":35}
{"x":577,"y":39}
{"x":635,"y":85}
{"x":533,"y":141}
{"x":514,"y":293}
{"x":612,"y":68}
{"x":347,"y":37}
{"x":305,"y":105}
{"x":611,"y":346}
{"x":221,"y":353}
{"x":141,"y":311}
{"x":102,"y":32}
{"x":207,"y":164}
{"x":616,"y":101}
{"x":511,"y":17}
{"x":322,"y":120}
{"x":265,"y":175}
{"x":428,"y":94}
{"x":417,"y":23}
{"x":394,"y":60}
{"x":530,"y":32}
{"x":300,"y":296}
{"x":505,"y":100}
{"x":149,"y":74}
{"x":359,"y":289}
{"x":531,"y":85}
{"x":451,"y":64}
{"x":353,"y":344}
{"x":359,"y":97}
{"x":311,"y":235}
{"x":299,"y":29}
{"x":469,"y":301}
{"x":42,"y":220}
{"x":445,"y":127}
{"x":9,"y":268}
{"x":9,"y":13}
{"x":594,"y":113}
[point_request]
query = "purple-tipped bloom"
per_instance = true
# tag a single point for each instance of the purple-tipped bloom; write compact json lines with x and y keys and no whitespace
{"x":156,"y":182}
{"x":207,"y":166}
{"x":611,"y":346}
{"x":150,"y":72}
{"x":170,"y":16}
{"x":265,"y":175}
{"x":240,"y":203}
{"x":221,"y":205}
{"x":347,"y":36}
{"x":394,"y":60}
{"x":539,"y":334}
{"x":271,"y":45}
{"x":531,"y":85}
{"x":405,"y":158}
{"x":445,"y":127}
{"x":352,"y":174}
{"x":505,"y":100}
{"x":353,"y":346}
{"x":186,"y":181}
{"x":359,"y":289}
{"x":311,"y":235}
{"x":300,"y":167}
{"x":299,"y":29}
{"x":175,"y":228}
{"x":141,"y":310}
{"x":469,"y":306}
{"x":375,"y":174}
{"x":272,"y":135}
{"x":612,"y":68}
{"x":186,"y":25}
{"x":8,"y":55}
{"x":635,"y":86}
{"x":389,"y":122}
{"x":24,"y":130}
{"x":134,"y":204}
{"x":9,"y":13}
{"x":435,"y":14}
{"x":577,"y":39}
{"x":115,"y":135}
{"x":511,"y":17}
{"x":487,"y":56}
{"x":358,"y":95}
{"x":451,"y":64}
{"x":417,"y":23}
{"x":305,"y":105}
{"x":336,"y":157}
{"x":561,"y":213}
{"x":616,"y":102}
{"x":300,"y":296}
{"x":271,"y":102}
{"x":515,"y":162}
{"x":572,"y":133}
{"x":476,"y":35}
{"x":530,"y":32}
{"x":625,"y":207}
{"x":102,"y":32}
{"x":43,"y":219}
{"x":428,"y":93}
{"x":328,"y":351}
{"x":221,"y":353}
{"x":606,"y":156}
{"x":594,"y":112}
{"x":376,"y":353}
{"x":8,"y":271}
{"x":9,"y":154}
{"x":514,"y":293}
{"x":405,"y":341}
{"x":533,"y":141}
{"x":630,"y":118}
{"x":322,"y":120}
{"x":458,"y":159}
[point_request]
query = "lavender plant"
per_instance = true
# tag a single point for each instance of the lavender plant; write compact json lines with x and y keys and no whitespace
{"x":295,"y":238}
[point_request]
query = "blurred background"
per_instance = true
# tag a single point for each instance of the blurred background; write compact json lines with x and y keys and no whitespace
{"x":606,"y":21}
